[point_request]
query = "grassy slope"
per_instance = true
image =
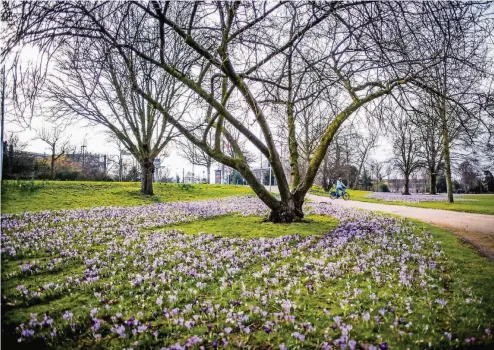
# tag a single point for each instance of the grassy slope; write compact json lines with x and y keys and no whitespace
{"x":55,"y":195}
{"x":255,"y":226}
{"x":483,"y":205}
{"x":475,"y":270}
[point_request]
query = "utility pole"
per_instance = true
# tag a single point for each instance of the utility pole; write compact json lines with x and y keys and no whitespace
{"x":3,"y":118}
{"x":270,"y":179}
{"x":83,"y":147}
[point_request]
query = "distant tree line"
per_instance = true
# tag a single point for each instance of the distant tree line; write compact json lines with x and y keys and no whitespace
{"x":19,"y":164}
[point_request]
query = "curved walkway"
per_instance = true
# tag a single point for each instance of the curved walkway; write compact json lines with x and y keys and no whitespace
{"x":477,"y":229}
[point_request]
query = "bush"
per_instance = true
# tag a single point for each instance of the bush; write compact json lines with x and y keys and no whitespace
{"x":185,"y":187}
{"x":25,"y":186}
{"x":383,"y":187}
{"x":68,"y":175}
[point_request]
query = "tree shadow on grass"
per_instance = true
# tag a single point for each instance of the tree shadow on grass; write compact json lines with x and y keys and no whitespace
{"x":141,"y":196}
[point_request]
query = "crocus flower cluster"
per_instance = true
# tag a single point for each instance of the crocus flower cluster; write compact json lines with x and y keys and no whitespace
{"x":117,"y":277}
{"x":416,"y":197}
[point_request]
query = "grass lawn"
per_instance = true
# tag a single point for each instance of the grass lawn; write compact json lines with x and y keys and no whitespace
{"x":484,"y":203}
{"x":256,"y":226}
{"x":55,"y":195}
{"x":120,"y":278}
{"x":471,"y":268}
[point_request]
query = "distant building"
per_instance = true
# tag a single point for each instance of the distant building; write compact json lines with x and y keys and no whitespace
{"x":192,"y":179}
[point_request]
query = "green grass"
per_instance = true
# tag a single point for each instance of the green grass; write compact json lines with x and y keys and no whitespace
{"x":255,"y":226}
{"x":120,"y":259}
{"x":484,"y":203}
{"x":471,"y":268}
{"x":56,"y":195}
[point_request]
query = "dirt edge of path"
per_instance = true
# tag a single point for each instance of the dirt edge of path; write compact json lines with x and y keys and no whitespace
{"x":476,"y":240}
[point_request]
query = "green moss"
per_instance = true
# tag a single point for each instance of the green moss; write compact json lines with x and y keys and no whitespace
{"x":56,"y":195}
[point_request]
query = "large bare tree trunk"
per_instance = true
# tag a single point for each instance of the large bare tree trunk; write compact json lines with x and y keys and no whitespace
{"x":209,"y":173}
{"x":447,"y":163}
{"x":447,"y":157}
{"x":52,"y":165}
{"x":288,"y":211}
{"x":147,"y":170}
{"x":433,"y":178}
{"x":407,"y":185}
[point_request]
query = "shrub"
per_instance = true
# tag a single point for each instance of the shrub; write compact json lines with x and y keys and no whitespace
{"x":26,"y":186}
{"x":383,"y":187}
{"x":185,"y":187}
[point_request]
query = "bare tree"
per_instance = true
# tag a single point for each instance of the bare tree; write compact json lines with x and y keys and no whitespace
{"x":406,"y":148}
{"x":378,"y":169}
{"x":58,"y":142}
{"x":354,"y":52}
{"x":363,"y":146}
{"x":99,"y":92}
{"x":196,"y":156}
{"x":458,"y":80}
{"x":338,"y":161}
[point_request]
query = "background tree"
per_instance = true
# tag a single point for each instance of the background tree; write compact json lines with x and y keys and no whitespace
{"x":196,"y":156}
{"x":488,"y":181}
{"x":98,"y":91}
{"x":364,"y":144}
{"x":16,"y":163}
{"x":338,"y":161}
{"x":58,"y":143}
{"x":457,"y":82}
{"x":378,"y":168}
{"x":406,"y":148}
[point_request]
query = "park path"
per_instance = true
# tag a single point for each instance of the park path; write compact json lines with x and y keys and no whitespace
{"x":477,"y":229}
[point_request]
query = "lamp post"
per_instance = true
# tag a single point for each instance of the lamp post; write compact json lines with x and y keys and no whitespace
{"x":270,"y":178}
{"x":3,"y":119}
{"x":372,"y":172}
{"x":83,"y":147}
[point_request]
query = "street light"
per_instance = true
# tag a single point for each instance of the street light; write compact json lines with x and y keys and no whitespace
{"x":270,"y":178}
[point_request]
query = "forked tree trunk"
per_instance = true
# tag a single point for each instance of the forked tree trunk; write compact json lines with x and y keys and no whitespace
{"x":433,"y":178}
{"x":407,"y":186}
{"x":288,"y":211}
{"x":147,"y":170}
